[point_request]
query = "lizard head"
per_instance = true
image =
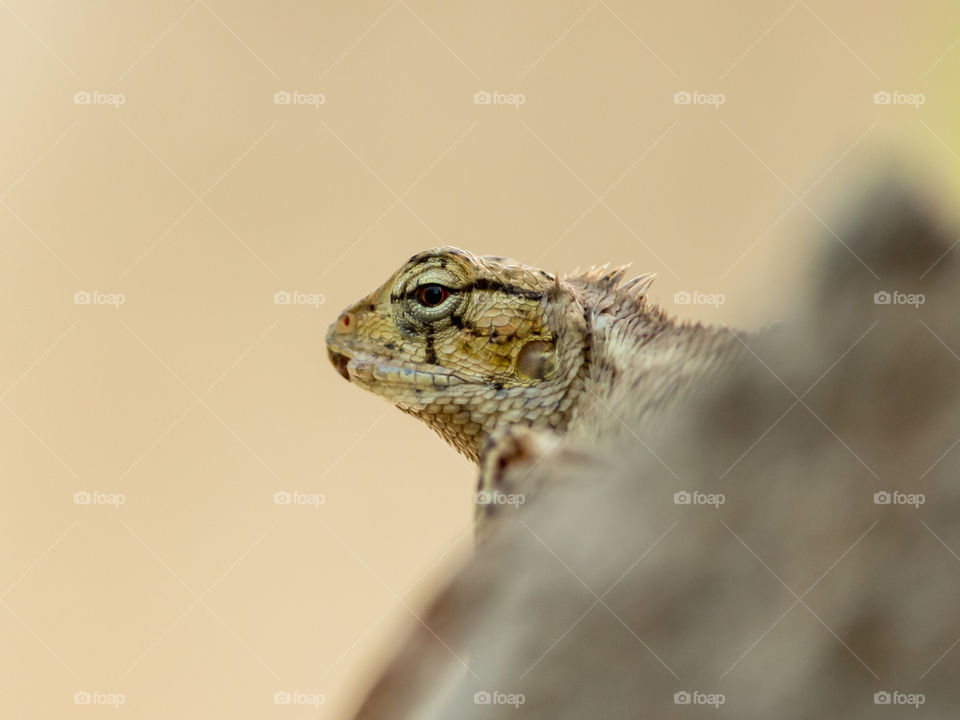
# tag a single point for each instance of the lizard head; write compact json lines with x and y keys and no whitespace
{"x":465,"y":343}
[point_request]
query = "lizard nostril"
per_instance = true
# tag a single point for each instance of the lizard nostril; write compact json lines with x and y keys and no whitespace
{"x":345,"y":323}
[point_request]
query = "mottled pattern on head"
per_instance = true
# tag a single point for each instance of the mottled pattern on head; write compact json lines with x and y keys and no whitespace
{"x":466,"y":343}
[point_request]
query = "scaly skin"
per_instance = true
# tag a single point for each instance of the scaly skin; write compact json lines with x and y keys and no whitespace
{"x":476,"y":345}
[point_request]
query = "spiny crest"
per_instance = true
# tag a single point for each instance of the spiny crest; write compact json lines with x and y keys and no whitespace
{"x":610,"y":293}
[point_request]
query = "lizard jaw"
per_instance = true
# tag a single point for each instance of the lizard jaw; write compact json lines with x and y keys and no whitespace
{"x":373,"y":369}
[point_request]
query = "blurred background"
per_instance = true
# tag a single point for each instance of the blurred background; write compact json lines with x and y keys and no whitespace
{"x":200,"y":517}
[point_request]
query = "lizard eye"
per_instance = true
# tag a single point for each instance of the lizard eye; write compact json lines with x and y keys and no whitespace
{"x":432,"y":295}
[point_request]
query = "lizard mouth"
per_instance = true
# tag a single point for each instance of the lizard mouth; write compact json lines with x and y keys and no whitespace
{"x":339,"y":362}
{"x":370,"y":369}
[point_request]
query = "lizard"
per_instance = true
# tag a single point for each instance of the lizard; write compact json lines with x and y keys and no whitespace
{"x":502,"y":359}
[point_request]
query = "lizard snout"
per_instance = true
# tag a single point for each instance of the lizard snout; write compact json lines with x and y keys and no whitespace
{"x":342,"y":331}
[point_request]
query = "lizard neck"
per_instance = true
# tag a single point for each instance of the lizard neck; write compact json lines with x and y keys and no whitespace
{"x":642,"y":366}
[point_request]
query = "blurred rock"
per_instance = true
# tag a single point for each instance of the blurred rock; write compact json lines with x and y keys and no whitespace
{"x":786,"y":545}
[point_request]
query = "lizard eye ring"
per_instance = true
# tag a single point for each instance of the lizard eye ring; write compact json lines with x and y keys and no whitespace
{"x":432,"y":295}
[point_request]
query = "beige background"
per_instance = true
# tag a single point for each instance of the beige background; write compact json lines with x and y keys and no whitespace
{"x":199,"y":198}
